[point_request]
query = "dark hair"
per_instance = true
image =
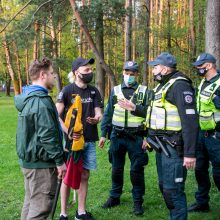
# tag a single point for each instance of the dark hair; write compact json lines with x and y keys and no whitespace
{"x":38,"y":65}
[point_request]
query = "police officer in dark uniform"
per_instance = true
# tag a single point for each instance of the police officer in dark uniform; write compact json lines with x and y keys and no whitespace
{"x":172,"y":124}
{"x":126,"y":136}
{"x":208,"y":107}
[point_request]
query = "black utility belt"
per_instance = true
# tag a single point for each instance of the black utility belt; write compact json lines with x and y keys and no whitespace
{"x":126,"y":130}
{"x":210,"y":132}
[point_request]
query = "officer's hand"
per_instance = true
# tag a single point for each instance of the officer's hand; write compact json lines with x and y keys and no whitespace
{"x":189,"y":162}
{"x":144,"y":145}
{"x":126,"y":104}
{"x":61,"y":171}
{"x":102,"y":142}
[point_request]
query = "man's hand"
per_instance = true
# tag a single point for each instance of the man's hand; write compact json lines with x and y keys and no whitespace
{"x":102,"y":142}
{"x":144,"y":145}
{"x":61,"y":171}
{"x":92,"y":121}
{"x":190,"y":163}
{"x":76,"y":135}
{"x":126,"y":104}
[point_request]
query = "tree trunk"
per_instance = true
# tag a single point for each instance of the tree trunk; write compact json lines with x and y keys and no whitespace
{"x":91,"y":43}
{"x":36,"y":39}
{"x":55,"y":53}
{"x":168,"y":26}
{"x":192,"y":28}
{"x":146,"y":44}
{"x":128,"y":25}
{"x":7,"y":87}
{"x":27,"y":66}
{"x":100,"y":73}
{"x":43,"y":36}
{"x":18,"y":66}
{"x":212,"y":31}
{"x":10,"y":67}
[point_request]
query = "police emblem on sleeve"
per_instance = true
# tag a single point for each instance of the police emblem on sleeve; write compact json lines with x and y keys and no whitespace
{"x":188,"y":99}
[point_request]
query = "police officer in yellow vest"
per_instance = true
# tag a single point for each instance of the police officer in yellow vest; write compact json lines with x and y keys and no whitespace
{"x":173,"y":120}
{"x":208,"y":107}
{"x":126,"y":136}
{"x":172,"y":124}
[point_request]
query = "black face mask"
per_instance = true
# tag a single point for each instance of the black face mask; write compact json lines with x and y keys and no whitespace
{"x":202,"y":71}
{"x":86,"y":78}
{"x":158,"y":77}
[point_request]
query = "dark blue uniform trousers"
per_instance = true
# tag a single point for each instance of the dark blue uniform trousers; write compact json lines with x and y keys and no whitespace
{"x":172,"y":176}
{"x":208,"y":150}
{"x":138,"y":157}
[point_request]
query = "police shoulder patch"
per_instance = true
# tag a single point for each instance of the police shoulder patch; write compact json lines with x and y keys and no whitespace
{"x":188,"y":97}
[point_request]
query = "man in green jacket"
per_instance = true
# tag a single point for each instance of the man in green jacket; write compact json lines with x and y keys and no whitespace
{"x":39,"y":142}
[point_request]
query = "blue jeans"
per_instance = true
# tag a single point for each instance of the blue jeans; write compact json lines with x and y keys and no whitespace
{"x":89,"y":156}
{"x":172,"y":176}
{"x":208,"y":150}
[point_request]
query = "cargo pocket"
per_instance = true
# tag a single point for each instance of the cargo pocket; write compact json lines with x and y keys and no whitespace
{"x":179,"y":173}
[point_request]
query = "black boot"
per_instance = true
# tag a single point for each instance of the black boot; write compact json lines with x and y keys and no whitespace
{"x":111,"y":202}
{"x":138,"y":209}
{"x":199,"y":208}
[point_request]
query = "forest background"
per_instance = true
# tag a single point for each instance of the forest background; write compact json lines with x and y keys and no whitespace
{"x":111,"y":31}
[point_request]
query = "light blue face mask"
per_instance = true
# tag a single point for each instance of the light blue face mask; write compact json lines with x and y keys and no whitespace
{"x":129,"y":80}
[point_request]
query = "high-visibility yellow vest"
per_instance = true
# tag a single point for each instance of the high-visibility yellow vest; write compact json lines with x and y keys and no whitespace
{"x":208,"y":114}
{"x":163,"y":115}
{"x":122,"y":117}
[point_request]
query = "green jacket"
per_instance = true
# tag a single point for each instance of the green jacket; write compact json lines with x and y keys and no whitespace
{"x":38,"y":139}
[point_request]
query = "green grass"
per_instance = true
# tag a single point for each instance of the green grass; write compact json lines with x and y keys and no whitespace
{"x":12,"y":192}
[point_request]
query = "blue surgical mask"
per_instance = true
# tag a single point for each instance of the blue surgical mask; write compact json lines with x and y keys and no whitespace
{"x":129,"y":80}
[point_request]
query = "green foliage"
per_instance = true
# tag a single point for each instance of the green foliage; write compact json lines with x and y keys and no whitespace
{"x":12,"y":189}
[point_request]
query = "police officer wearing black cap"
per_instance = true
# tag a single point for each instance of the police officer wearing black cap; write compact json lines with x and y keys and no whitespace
{"x":126,"y":136}
{"x":173,"y":120}
{"x":208,"y":107}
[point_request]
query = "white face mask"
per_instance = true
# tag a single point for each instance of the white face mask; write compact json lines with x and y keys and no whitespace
{"x":129,"y":80}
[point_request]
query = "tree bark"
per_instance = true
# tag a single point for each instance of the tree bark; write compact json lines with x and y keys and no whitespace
{"x":36,"y":39}
{"x":212,"y":31}
{"x":168,"y":26}
{"x":146,"y":44}
{"x":18,"y":66}
{"x":10,"y":67}
{"x":27,"y":66}
{"x":100,"y":73}
{"x":92,"y":44}
{"x":192,"y":28}
{"x":55,"y":53}
{"x":128,"y":26}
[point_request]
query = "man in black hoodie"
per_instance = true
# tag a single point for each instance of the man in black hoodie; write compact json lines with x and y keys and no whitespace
{"x":39,"y":142}
{"x":172,"y":119}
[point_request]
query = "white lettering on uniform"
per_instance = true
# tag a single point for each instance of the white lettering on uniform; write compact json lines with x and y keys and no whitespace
{"x":178,"y":180}
{"x":190,"y":111}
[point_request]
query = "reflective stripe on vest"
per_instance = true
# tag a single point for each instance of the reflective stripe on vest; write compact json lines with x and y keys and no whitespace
{"x":208,"y":114}
{"x":118,"y":118}
{"x":162,"y":115}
